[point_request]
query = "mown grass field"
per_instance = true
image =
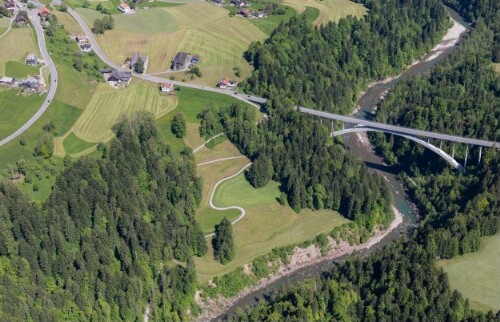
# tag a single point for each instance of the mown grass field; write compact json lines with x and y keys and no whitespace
{"x":68,"y":22}
{"x":107,"y":105}
{"x":19,"y":70}
{"x":4,"y":25}
{"x":199,"y":28}
{"x":266,"y":225}
{"x":211,"y":173}
{"x":477,"y":275}
{"x":16,"y":45}
{"x":16,"y":109}
{"x":329,"y":10}
{"x":74,"y":145}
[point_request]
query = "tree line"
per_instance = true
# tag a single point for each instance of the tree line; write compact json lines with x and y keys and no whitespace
{"x":115,"y":235}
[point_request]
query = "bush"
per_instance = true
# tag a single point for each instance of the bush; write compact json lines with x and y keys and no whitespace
{"x":178,"y":126}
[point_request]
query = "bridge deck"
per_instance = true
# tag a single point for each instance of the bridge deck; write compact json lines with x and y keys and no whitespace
{"x":400,"y":129}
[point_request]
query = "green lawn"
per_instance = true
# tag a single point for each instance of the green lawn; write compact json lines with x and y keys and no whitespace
{"x":208,"y":218}
{"x":19,"y":70}
{"x":164,"y":124}
{"x":266,"y":225}
{"x":16,"y":109}
{"x":270,"y":23}
{"x":145,"y":21}
{"x":73,"y":144}
{"x":477,"y":275}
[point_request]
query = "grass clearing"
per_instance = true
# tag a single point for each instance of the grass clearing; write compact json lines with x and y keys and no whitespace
{"x":477,"y":275}
{"x":73,"y":144}
{"x":108,"y":104}
{"x":270,"y":23}
{"x":329,"y":10}
{"x":267,"y":224}
{"x":20,"y":70}
{"x":154,"y":20}
{"x":16,"y":45}
{"x":211,"y":173}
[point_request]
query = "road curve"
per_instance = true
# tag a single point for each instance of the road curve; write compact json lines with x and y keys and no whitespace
{"x":97,"y":49}
{"x":242,"y":210}
{"x":52,"y":87}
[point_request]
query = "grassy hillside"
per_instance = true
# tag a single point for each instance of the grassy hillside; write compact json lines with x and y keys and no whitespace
{"x":329,"y":10}
{"x":477,"y":275}
{"x":108,"y":104}
{"x":16,"y":45}
{"x":197,"y":27}
{"x":266,"y":225}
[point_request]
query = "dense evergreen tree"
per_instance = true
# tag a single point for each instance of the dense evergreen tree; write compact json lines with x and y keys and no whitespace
{"x":178,"y":126}
{"x":223,"y":242}
{"x":103,"y":245}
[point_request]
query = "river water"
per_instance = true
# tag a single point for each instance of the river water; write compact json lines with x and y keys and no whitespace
{"x":359,"y":148}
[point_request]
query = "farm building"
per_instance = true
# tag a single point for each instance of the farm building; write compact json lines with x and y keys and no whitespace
{"x":43,"y":12}
{"x":31,"y":59}
{"x":6,"y":81}
{"x":245,"y":13}
{"x":223,"y":82}
{"x":34,"y":84}
{"x":167,"y":88}
{"x":21,"y":20}
{"x":181,"y":61}
{"x":135,"y":58}
{"x":124,"y":7}
{"x":239,"y":3}
{"x":86,"y":47}
{"x":116,"y":77}
{"x":81,"y":39}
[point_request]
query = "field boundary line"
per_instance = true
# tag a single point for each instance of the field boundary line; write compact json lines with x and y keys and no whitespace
{"x":242,"y":210}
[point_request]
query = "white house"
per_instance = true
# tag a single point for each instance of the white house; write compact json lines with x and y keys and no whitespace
{"x":124,"y":7}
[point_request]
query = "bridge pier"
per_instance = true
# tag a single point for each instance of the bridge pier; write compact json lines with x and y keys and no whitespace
{"x":480,"y":153}
{"x":453,"y":151}
{"x":332,"y":129}
{"x":441,"y":145}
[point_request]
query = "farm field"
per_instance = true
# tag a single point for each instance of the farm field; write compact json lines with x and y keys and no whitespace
{"x":16,"y":45}
{"x":477,"y":275}
{"x":267,"y":224}
{"x":108,"y":104}
{"x":68,"y":22}
{"x":4,"y":25}
{"x":16,"y":109}
{"x":329,"y":10}
{"x":18,"y":70}
{"x":74,"y":145}
{"x":199,"y":28}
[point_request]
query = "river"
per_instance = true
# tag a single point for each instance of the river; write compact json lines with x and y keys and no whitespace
{"x":360,"y":147}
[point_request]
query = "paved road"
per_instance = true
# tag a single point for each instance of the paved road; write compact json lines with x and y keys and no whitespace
{"x":52,"y":87}
{"x":97,"y":49}
{"x":399,"y":129}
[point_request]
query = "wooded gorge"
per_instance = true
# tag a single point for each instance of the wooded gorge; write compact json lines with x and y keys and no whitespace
{"x":325,"y":68}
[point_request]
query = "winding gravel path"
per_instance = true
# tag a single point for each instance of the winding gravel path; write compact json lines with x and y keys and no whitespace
{"x":242,"y":210}
{"x":205,"y":143}
{"x":219,"y":160}
{"x":8,"y":29}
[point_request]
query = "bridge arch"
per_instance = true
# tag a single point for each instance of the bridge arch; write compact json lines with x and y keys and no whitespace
{"x":361,"y":128}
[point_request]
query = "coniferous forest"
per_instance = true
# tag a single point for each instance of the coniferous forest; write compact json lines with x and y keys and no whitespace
{"x":115,"y":235}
